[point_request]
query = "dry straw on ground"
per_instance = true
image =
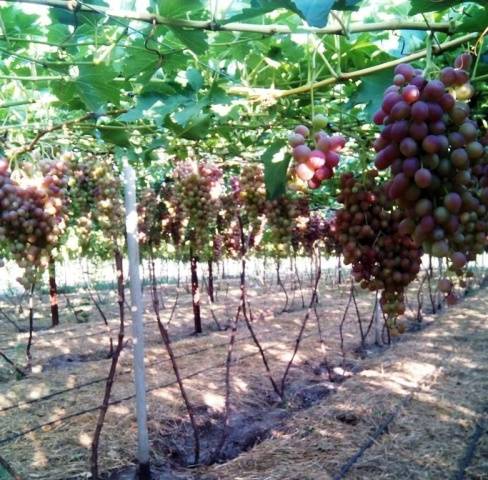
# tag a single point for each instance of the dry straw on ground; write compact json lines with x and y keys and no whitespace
{"x":310,"y":444}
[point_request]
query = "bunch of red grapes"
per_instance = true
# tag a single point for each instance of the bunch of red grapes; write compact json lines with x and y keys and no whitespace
{"x":446,"y":286}
{"x":437,"y":161}
{"x":315,"y":165}
{"x":217,"y":247}
{"x":227,"y":240}
{"x":173,"y":223}
{"x":151,"y":212}
{"x":366,"y":227}
{"x":308,"y":231}
{"x":247,"y":201}
{"x":197,"y":191}
{"x":33,"y":214}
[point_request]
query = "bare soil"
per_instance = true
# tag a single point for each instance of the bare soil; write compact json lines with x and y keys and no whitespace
{"x":71,"y":362}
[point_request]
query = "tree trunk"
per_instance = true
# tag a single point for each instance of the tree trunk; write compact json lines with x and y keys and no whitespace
{"x":31,"y":326}
{"x":53,"y":292}
{"x":113,"y":366}
{"x":211,"y":281}
{"x":223,"y":270}
{"x":169,"y":349}
{"x":339,"y":269}
{"x":195,"y":294}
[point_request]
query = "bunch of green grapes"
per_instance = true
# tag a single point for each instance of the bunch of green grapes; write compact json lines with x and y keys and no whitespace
{"x":197,"y":192}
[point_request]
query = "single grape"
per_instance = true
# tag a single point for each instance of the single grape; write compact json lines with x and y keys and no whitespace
{"x":411,"y":93}
{"x":302,"y":130}
{"x":423,"y":178}
{"x":419,"y":111}
{"x":453,"y":202}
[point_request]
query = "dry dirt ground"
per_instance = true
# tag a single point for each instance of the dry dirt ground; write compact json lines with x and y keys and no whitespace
{"x":433,"y":381}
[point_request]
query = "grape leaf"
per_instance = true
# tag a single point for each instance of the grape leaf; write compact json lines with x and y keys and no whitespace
{"x":195,"y":40}
{"x":475,"y":20}
{"x":154,"y":107}
{"x":194,"y":78}
{"x":346,"y":5}
{"x":422,"y":6}
{"x":275,"y":167}
{"x":115,"y":136}
{"x":178,"y":8}
{"x":217,"y":96}
{"x":58,"y":33}
{"x":195,"y":129}
{"x":68,"y":17}
{"x":315,"y":12}
{"x":260,"y":7}
{"x":96,"y":87}
{"x":142,"y":64}
{"x":370,"y":91}
{"x":17,"y":22}
{"x":192,"y":110}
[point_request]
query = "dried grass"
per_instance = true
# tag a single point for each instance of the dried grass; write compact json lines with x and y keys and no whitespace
{"x":314,"y":443}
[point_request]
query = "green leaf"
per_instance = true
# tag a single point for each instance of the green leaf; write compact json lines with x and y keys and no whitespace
{"x":422,"y":6}
{"x":153,"y":107}
{"x":58,"y":33}
{"x":195,"y":40}
{"x":193,"y":110}
{"x":194,"y":78}
{"x":475,"y":20}
{"x":65,"y":91}
{"x":370,"y":91}
{"x":196,"y":128}
{"x":96,"y":87}
{"x":346,"y":5}
{"x":178,"y":8}
{"x":315,"y":12}
{"x":275,"y":167}
{"x":115,"y":136}
{"x":217,"y":95}
{"x":68,"y":17}
{"x":18,"y":23}
{"x":139,"y":63}
{"x":260,"y":7}
{"x":154,"y":145}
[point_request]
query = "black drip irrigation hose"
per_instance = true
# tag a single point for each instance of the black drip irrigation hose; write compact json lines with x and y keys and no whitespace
{"x":160,"y":386}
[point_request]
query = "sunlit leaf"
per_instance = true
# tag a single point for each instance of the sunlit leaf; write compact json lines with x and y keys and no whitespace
{"x":195,"y":40}
{"x":96,"y":87}
{"x":276,"y":163}
{"x":194,"y":78}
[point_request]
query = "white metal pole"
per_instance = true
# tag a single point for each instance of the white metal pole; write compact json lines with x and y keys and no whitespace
{"x":137,"y":314}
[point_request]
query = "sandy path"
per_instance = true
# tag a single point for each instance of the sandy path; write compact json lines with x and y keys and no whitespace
{"x":436,"y":386}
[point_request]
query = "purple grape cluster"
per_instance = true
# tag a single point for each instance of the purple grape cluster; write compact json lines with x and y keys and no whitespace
{"x":432,"y":148}
{"x":366,"y":227}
